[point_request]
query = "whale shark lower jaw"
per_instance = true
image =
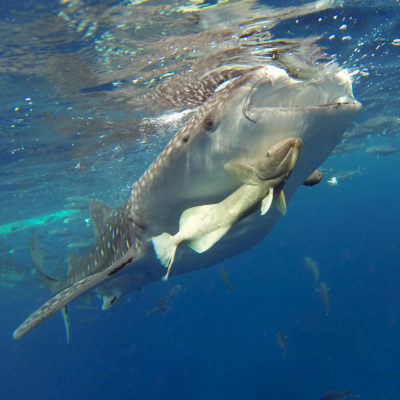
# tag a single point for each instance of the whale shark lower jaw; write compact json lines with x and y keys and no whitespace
{"x":244,"y":118}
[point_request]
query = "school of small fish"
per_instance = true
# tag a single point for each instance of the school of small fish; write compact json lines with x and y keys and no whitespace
{"x":376,"y":136}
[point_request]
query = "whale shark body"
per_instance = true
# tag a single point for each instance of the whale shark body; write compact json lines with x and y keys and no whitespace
{"x":240,"y":122}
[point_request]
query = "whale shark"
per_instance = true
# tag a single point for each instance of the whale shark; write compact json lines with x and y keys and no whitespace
{"x":244,"y":118}
{"x":13,"y":274}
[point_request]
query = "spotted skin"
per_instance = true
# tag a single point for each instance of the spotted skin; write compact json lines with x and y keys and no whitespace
{"x":185,"y":92}
{"x":113,"y":240}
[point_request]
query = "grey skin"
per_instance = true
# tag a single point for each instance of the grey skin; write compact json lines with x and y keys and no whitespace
{"x":161,"y":307}
{"x":253,"y":112}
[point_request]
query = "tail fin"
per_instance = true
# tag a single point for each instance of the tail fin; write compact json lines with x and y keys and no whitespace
{"x":68,"y":294}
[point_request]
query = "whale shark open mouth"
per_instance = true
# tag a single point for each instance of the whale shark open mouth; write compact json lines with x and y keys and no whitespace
{"x":278,"y":90}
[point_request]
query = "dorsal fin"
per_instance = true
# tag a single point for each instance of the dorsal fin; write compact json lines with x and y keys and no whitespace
{"x":74,"y":262}
{"x":99,"y":213}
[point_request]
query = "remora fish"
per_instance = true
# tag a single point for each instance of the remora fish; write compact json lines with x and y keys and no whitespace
{"x":382,"y":150}
{"x":345,"y":148}
{"x":240,"y":122}
{"x":380,"y":125}
{"x":313,"y":266}
{"x":314,"y":178}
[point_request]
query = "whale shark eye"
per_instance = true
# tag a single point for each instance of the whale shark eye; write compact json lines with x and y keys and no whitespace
{"x":208,"y":124}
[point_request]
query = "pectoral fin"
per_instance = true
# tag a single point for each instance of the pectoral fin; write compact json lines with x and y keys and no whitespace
{"x":165,"y":247}
{"x":280,"y":202}
{"x":267,"y":201}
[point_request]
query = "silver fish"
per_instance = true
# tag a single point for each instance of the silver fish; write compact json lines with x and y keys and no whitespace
{"x":281,"y":339}
{"x":240,"y":122}
{"x":313,"y":266}
{"x":381,"y":150}
{"x":345,"y":148}
{"x":380,"y":125}
{"x":347,"y":174}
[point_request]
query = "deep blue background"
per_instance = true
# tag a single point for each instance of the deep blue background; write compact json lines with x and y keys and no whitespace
{"x":218,"y":344}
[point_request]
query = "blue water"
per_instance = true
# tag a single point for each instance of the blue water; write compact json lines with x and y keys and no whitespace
{"x":65,"y":131}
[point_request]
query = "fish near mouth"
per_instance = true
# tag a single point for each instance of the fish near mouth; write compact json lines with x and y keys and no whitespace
{"x":292,"y":147}
{"x":280,"y":159}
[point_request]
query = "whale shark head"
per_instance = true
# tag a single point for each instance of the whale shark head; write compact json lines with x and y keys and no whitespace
{"x":245,"y":117}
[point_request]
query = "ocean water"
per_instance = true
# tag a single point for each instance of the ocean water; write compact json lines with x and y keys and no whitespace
{"x":76,"y":125}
